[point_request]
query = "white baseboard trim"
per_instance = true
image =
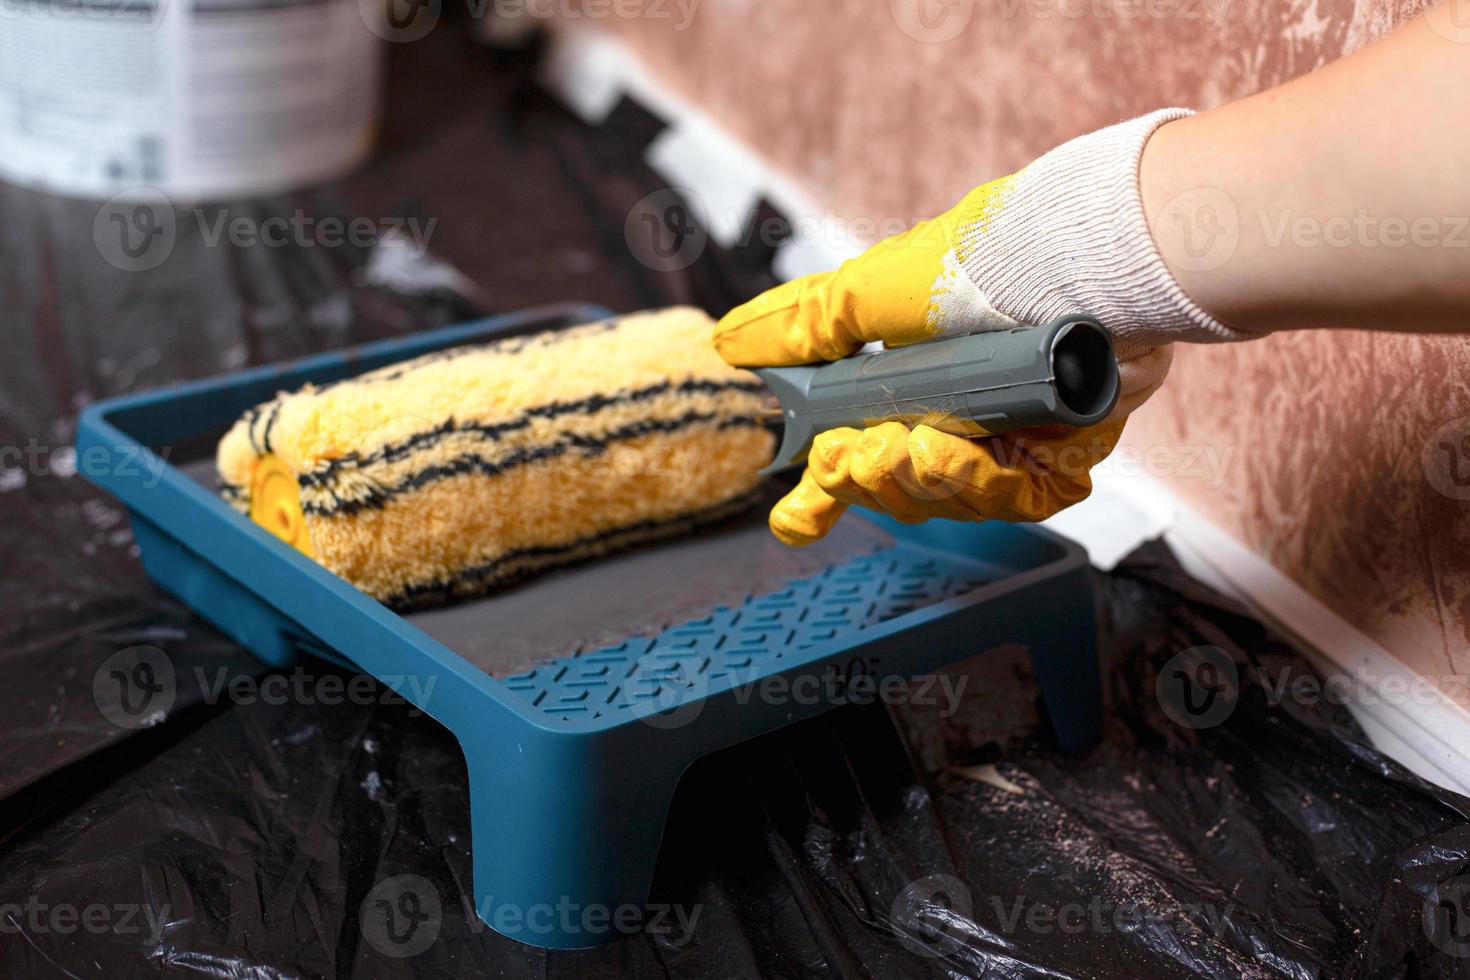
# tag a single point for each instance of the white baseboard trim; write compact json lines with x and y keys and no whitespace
{"x":1428,"y":732}
{"x":724,"y":178}
{"x":1409,"y":717}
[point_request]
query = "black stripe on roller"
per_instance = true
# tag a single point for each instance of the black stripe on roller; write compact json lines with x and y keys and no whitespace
{"x":270,"y":423}
{"x":504,"y":347}
{"x":250,"y":418}
{"x":379,"y":497}
{"x":492,"y":431}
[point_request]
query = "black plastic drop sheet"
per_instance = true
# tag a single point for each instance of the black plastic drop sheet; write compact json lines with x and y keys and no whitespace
{"x":1218,"y":830}
{"x":259,"y":838}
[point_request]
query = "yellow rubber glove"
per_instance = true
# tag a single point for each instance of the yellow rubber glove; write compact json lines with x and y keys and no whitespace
{"x":895,"y":292}
{"x":1065,"y":235}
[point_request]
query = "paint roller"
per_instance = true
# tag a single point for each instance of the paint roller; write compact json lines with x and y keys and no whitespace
{"x":465,"y":470}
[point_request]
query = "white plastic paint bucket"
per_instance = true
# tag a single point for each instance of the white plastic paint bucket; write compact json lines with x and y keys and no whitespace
{"x":196,"y":99}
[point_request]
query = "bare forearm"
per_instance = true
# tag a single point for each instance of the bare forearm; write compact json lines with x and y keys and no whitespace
{"x":1341,"y":199}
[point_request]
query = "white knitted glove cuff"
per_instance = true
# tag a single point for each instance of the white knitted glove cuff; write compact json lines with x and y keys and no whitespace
{"x":1070,"y":236}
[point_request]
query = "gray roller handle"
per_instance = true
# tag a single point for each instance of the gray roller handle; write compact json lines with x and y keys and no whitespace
{"x":977,"y":385}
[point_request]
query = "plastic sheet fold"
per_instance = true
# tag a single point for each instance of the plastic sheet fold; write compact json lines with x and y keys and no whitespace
{"x":262,"y":834}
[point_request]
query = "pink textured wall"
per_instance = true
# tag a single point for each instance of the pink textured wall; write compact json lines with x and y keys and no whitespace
{"x":1318,"y":441}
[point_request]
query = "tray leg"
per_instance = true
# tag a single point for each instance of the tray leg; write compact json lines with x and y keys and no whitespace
{"x":566,"y":832}
{"x":228,"y":605}
{"x":1064,"y":657}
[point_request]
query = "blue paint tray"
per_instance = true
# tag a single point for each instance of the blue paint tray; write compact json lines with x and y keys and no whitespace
{"x":580,"y":697}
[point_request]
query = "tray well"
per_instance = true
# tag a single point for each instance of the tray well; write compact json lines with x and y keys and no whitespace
{"x":581,"y":696}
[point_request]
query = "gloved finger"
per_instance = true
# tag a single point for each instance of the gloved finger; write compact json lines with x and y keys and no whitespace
{"x":829,"y":463}
{"x":881,"y":467}
{"x":871,"y":468}
{"x":1140,"y":373}
{"x":1023,"y":477}
{"x":805,"y":514}
{"x":904,"y":289}
{"x":789,"y":324}
{"x":882,"y":294}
